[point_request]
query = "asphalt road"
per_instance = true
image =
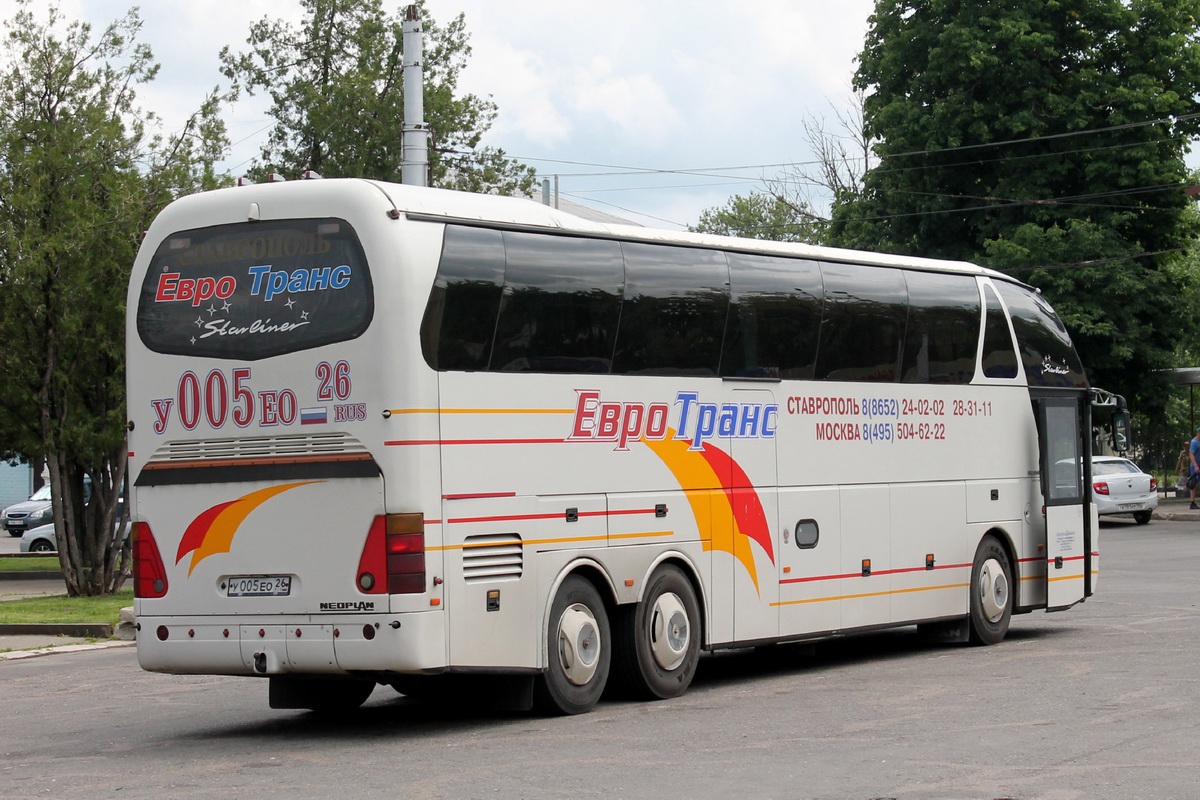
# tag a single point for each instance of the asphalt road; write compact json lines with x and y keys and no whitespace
{"x":1097,"y":702}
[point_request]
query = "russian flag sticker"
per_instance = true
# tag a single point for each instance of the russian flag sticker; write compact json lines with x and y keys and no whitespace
{"x":314,"y":416}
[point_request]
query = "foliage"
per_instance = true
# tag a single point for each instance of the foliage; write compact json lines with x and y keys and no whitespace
{"x":80,"y":176}
{"x":760,"y":216}
{"x":337,"y":98}
{"x":1045,"y":138}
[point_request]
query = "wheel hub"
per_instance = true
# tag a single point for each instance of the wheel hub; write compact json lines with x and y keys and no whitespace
{"x":669,"y":633}
{"x":993,"y":590}
{"x":578,"y":644}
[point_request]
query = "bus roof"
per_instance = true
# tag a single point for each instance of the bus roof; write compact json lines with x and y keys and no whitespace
{"x":515,"y":212}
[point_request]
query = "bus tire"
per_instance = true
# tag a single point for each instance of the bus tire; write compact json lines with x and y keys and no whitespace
{"x":991,"y":593}
{"x":322,"y":695}
{"x":578,"y":648}
{"x":658,"y":642}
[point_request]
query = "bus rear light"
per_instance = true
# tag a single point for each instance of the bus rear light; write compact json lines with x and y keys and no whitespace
{"x":393,"y":558}
{"x":149,"y":574}
{"x":1100,"y":487}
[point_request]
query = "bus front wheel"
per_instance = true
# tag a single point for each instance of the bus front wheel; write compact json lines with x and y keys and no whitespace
{"x":579,"y":649}
{"x":659,"y":638}
{"x":991,"y":593}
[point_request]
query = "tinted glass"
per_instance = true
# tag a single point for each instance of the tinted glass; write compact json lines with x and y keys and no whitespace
{"x":999,"y":356}
{"x":255,"y":290}
{"x":943,"y":328}
{"x":862,"y":333}
{"x":673,"y":317}
{"x":460,"y":318}
{"x":775,"y":317}
{"x":562,"y":301}
{"x":808,"y":533}
{"x":1062,"y":450}
{"x":1046,"y":349}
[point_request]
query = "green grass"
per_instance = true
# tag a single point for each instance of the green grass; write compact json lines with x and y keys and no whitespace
{"x":60,"y":608}
{"x":29,"y":564}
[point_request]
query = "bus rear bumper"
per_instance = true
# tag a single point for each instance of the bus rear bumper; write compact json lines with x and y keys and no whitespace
{"x":194,"y":645}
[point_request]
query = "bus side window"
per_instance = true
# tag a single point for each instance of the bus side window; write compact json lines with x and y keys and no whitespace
{"x":999,"y":356}
{"x":460,"y":318}
{"x":673,"y":316}
{"x":943,"y":328}
{"x":862,"y":333}
{"x":561,"y":304}
{"x":1046,"y":350}
{"x":774,"y":319}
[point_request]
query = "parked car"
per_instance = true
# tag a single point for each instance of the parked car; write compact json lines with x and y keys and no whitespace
{"x":1120,"y":487}
{"x":30,"y":513}
{"x":39,"y":540}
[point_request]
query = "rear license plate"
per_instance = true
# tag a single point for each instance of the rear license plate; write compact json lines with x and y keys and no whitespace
{"x":1130,"y":506}
{"x":258,"y":586}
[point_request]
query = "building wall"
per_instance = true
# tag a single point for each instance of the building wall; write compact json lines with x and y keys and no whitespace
{"x":16,"y":483}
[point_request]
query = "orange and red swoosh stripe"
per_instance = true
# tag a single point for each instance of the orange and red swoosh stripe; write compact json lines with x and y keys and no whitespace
{"x":213,"y":530}
{"x":729,"y":520}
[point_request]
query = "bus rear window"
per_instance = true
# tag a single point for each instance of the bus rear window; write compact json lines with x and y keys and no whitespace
{"x":255,"y":290}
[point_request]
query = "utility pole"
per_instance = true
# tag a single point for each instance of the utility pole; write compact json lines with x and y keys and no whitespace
{"x":414,"y":163}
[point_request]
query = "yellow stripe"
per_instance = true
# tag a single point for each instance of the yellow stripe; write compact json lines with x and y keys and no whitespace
{"x":525,"y":542}
{"x":870,"y":594}
{"x":481,"y":411}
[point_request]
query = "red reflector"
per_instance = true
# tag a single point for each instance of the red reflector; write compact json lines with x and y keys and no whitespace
{"x":1100,"y":487}
{"x":149,"y":574}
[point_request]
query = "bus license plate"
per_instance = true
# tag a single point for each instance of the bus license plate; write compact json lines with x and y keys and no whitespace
{"x":259,"y":586}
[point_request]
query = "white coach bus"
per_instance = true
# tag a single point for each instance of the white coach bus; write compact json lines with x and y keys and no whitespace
{"x":390,"y":435}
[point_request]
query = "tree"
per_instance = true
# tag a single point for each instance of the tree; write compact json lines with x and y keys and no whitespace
{"x":337,"y":98}
{"x":80,"y":177}
{"x":793,"y":206}
{"x":761,"y":216}
{"x":1045,"y":138}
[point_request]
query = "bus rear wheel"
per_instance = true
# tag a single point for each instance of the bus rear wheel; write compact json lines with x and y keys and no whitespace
{"x":658,"y":641}
{"x":991,"y":593}
{"x":579,"y":650}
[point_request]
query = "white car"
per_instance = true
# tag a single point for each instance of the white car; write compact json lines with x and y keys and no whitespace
{"x":1120,"y":487}
{"x":39,"y":540}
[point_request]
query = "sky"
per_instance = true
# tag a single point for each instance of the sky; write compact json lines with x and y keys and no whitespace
{"x":651,"y":110}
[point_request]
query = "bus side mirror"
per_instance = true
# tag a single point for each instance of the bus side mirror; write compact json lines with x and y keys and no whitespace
{"x":1120,"y":431}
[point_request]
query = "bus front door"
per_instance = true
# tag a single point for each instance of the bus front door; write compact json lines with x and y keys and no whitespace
{"x":1064,"y":475}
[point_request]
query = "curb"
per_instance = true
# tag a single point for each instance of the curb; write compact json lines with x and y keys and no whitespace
{"x":75,"y":630}
{"x":13,"y":655}
{"x":35,"y":575}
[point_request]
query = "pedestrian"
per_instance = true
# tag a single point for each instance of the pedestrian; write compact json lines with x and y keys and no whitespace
{"x":1183,"y":466}
{"x":1194,"y":475}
